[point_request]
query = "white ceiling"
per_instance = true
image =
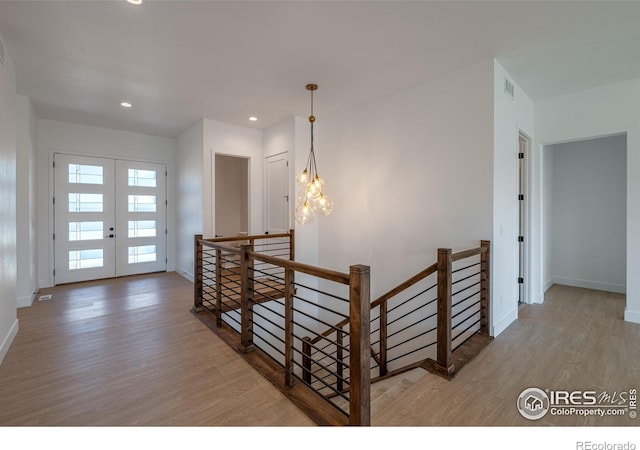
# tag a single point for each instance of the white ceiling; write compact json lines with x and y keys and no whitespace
{"x":179,"y":61}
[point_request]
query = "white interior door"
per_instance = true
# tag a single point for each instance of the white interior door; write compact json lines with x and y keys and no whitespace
{"x":277,"y":201}
{"x":84,"y":226}
{"x":110,"y":218}
{"x":140,"y":217}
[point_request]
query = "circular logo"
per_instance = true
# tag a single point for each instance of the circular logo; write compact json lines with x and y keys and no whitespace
{"x":533,"y":403}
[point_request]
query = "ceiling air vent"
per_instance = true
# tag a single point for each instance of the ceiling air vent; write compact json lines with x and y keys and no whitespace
{"x":508,"y":88}
{"x":1,"y":53}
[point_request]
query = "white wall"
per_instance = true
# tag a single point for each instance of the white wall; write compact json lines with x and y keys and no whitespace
{"x":409,"y":173}
{"x":589,"y":214}
{"x":602,"y":111}
{"x":54,"y":136}
{"x":279,"y":138}
{"x":233,"y":140}
{"x":197,"y":148}
{"x":26,"y":211}
{"x":511,"y":115}
{"x":8,"y":249}
{"x":190,"y":195}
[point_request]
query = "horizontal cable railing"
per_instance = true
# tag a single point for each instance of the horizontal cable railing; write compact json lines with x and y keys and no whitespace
{"x":404,"y":322}
{"x":429,"y":316}
{"x":463,"y":301}
{"x":319,"y":326}
{"x":252,"y":285}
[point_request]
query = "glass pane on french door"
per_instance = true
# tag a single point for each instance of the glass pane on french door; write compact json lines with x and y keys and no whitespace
{"x":110,"y":218}
{"x":84,"y":211}
{"x":141,"y":217}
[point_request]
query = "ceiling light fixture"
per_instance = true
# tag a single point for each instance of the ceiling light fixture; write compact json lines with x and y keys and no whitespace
{"x":135,"y":2}
{"x":126,"y":104}
{"x":311,"y":199}
{"x":253,"y":119}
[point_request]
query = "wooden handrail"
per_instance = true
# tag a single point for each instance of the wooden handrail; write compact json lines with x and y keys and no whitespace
{"x":444,"y":306}
{"x":320,"y":272}
{"x":328,"y":331}
{"x":468,"y":253}
{"x":405,"y":285}
{"x":244,"y":238}
{"x":360,"y":352}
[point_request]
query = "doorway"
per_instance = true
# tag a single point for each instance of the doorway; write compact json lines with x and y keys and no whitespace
{"x":109,"y":218}
{"x":231,"y":195}
{"x":585,"y":213}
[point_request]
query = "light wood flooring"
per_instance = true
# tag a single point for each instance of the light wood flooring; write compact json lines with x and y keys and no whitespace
{"x":576,"y":340}
{"x":128,"y":352}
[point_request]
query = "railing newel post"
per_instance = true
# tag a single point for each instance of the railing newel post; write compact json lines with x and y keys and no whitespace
{"x":288,"y":326}
{"x":292,"y":245}
{"x":339,"y":364}
{"x":218,"y":287}
{"x":306,"y":360}
{"x":383,"y":339}
{"x":197,"y":272}
{"x":360,"y":346}
{"x":444,"y":364}
{"x":485,"y":286}
{"x":246,"y":298}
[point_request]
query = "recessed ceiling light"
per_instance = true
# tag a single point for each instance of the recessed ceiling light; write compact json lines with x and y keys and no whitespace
{"x":253,"y":118}
{"x":126,"y":104}
{"x":135,"y":2}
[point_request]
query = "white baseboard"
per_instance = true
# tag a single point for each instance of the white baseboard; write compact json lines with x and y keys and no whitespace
{"x":631,"y":316}
{"x":25,"y":302}
{"x":186,"y":274}
{"x":547,"y":285}
{"x":500,"y":325}
{"x":538,"y":298}
{"x":8,"y":340}
{"x":587,"y":284}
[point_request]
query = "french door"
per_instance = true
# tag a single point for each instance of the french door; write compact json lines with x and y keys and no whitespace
{"x":109,"y":218}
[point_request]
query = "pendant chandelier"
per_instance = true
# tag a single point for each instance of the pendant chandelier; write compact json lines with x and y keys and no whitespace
{"x":311,"y":200}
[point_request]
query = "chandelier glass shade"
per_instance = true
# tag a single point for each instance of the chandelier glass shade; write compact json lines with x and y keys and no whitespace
{"x":311,"y":200}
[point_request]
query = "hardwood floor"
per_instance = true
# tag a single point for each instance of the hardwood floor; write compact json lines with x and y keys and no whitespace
{"x":128,"y":352}
{"x":576,"y":340}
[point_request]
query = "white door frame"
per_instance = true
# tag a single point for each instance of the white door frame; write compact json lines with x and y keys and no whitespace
{"x":51,"y":207}
{"x":291,"y":200}
{"x":528,"y":204}
{"x":209,"y":185}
